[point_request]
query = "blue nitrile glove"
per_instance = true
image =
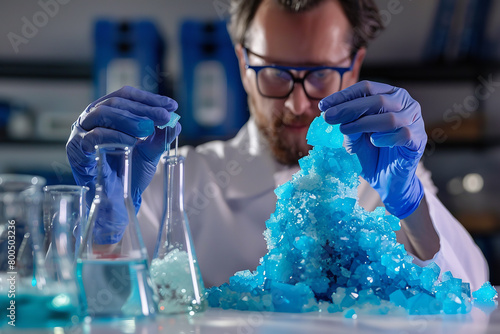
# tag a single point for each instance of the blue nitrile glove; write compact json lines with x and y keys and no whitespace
{"x":124,"y":116}
{"x":383,"y":125}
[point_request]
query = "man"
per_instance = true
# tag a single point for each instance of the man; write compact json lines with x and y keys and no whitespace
{"x":291,"y":53}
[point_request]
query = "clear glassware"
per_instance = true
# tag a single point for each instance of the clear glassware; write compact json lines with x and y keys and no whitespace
{"x":27,"y":291}
{"x":174,"y":268}
{"x":112,"y":264}
{"x":64,"y":217}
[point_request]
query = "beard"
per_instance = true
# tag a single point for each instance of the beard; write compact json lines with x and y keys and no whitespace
{"x":287,"y":146}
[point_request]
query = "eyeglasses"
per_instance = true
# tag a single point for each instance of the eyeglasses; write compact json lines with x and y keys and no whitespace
{"x":277,"y":82}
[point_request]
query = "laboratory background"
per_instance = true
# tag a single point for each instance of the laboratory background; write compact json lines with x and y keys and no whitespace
{"x":58,"y":56}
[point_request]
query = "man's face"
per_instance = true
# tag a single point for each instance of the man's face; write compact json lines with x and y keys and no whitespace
{"x":317,"y":37}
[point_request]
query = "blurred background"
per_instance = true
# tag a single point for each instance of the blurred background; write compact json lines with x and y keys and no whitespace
{"x":57,"y":56}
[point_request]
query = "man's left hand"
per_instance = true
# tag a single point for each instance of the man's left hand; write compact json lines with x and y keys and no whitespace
{"x":383,"y":126}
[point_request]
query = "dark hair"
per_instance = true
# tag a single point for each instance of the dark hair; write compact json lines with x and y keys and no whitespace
{"x":363,"y":16}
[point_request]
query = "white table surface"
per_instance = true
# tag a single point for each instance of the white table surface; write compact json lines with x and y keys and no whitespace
{"x":218,"y":321}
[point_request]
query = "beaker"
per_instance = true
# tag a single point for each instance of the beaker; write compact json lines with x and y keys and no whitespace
{"x":19,"y":246}
{"x":112,"y":267}
{"x":64,"y":208}
{"x":27,"y":291}
{"x":174,"y":269}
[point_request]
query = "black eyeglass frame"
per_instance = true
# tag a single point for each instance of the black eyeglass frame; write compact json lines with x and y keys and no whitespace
{"x":288,"y":69}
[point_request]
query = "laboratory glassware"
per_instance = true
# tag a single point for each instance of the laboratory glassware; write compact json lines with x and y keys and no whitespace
{"x":64,"y":207}
{"x":112,"y":268}
{"x":27,"y":291}
{"x":174,"y":269}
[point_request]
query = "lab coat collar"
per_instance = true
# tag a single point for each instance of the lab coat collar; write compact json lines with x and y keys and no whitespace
{"x":258,"y":166}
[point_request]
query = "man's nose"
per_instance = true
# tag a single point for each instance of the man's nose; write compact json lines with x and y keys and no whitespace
{"x":298,"y":102}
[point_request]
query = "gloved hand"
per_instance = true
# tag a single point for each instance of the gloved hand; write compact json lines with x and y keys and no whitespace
{"x":124,"y":116}
{"x":383,"y":125}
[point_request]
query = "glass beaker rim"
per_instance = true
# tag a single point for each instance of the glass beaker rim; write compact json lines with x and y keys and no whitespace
{"x":65,"y":188}
{"x":19,"y":182}
{"x":113,"y":147}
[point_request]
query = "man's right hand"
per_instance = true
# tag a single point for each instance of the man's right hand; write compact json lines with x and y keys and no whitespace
{"x":126,"y":116}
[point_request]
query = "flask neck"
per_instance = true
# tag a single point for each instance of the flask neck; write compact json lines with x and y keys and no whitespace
{"x":174,"y":182}
{"x":112,"y":208}
{"x":114,"y":172}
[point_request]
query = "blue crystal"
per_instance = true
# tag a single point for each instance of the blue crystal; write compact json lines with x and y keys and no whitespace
{"x":323,"y":134}
{"x":368,"y":239}
{"x":485,"y":293}
{"x":290,"y":298}
{"x":174,"y":119}
{"x":368,"y":297}
{"x":422,"y":303}
{"x":394,"y":223}
{"x":214,"y":296}
{"x":350,"y":314}
{"x":398,"y":298}
{"x":429,"y":276}
{"x":326,"y":252}
{"x":285,"y":191}
{"x":452,"y":304}
{"x":466,"y":289}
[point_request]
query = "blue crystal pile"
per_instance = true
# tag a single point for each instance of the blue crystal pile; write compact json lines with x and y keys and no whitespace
{"x":326,"y":253}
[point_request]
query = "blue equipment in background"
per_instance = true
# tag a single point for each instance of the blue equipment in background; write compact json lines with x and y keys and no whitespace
{"x":213,"y":103}
{"x":128,"y":53}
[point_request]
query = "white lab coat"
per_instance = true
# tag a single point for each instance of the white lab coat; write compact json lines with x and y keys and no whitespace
{"x":229,"y":195}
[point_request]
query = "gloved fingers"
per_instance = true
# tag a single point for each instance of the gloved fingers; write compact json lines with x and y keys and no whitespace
{"x":77,"y":158}
{"x":358,"y":90}
{"x":134,"y":94}
{"x":400,"y":137}
{"x":410,"y":137}
{"x":99,"y":136}
{"x":153,"y":146}
{"x":351,"y":142}
{"x":350,"y":111}
{"x":146,"y":155}
{"x":158,"y":115}
{"x":384,"y":122}
{"x":121,"y":120}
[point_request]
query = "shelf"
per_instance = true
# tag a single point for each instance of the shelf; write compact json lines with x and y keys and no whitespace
{"x":415,"y":72}
{"x":45,"y":70}
{"x":438,"y":72}
{"x":396,"y":73}
{"x":477,"y":145}
{"x":32,"y":142}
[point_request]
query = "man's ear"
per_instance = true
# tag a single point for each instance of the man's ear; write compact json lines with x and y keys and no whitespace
{"x":238,"y":49}
{"x":360,"y":57}
{"x":350,"y":78}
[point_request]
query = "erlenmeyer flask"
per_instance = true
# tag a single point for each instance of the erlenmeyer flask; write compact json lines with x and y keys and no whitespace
{"x":174,"y":268}
{"x":112,"y":267}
